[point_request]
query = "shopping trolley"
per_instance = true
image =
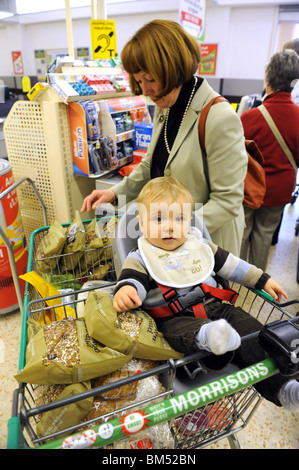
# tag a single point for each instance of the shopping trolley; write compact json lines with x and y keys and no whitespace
{"x":209,"y":410}
{"x":189,"y":409}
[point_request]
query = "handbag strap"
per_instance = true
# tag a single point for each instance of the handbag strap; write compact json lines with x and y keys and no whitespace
{"x":201,"y":132}
{"x":278,"y":135}
{"x":203,"y":118}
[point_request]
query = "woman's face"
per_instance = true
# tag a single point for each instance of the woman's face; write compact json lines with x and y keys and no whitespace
{"x":152,"y":89}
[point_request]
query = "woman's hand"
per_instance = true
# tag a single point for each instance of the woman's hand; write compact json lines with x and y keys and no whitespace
{"x":96,"y":198}
{"x":126,"y":298}
{"x":274,"y":289}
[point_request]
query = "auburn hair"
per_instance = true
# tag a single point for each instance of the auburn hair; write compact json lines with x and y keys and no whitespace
{"x":163,"y":49}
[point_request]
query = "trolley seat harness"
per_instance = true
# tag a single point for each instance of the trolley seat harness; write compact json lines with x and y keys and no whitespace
{"x":177,"y":303}
{"x":188,"y":266}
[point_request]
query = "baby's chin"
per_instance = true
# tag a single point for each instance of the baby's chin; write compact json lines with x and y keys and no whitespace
{"x":169,"y":243}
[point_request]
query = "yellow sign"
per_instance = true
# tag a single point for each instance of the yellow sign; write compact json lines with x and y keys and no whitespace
{"x":103,"y":39}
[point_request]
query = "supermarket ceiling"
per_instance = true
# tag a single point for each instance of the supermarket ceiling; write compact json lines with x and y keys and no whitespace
{"x":36,"y":6}
{"x":22,"y":10}
{"x":240,"y":3}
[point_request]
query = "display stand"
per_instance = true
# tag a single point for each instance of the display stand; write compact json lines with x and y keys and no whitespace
{"x":37,"y":136}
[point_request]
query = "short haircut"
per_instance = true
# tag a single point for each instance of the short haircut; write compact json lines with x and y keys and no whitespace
{"x":163,"y":49}
{"x":293,"y":44}
{"x":282,"y":70}
{"x":163,"y":187}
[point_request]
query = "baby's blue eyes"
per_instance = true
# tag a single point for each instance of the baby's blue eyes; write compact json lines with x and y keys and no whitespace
{"x":159,"y":219}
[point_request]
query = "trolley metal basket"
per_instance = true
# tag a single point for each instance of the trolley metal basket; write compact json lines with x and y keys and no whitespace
{"x":206,"y":413}
{"x":96,"y":266}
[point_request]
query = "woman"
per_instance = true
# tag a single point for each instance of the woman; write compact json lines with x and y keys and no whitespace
{"x":281,"y":74}
{"x":161,"y":60}
{"x":294,"y":44}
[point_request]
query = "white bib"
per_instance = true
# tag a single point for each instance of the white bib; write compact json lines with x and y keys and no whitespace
{"x":190,"y":264}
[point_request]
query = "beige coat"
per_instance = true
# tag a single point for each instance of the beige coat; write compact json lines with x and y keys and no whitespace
{"x":227,"y":166}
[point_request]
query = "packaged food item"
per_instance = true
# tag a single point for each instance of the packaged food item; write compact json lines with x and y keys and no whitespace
{"x":105,"y":286}
{"x":75,"y":244}
{"x":50,"y":248}
{"x":93,"y":247}
{"x":108,"y":230}
{"x":64,"y":353}
{"x":155,"y":437}
{"x":146,"y":392}
{"x":64,"y":416}
{"x":62,"y":281}
{"x":45,"y":289}
{"x":101,"y":408}
{"x":133,"y":332}
{"x":100,"y":272}
{"x":128,"y":391}
{"x":218,"y":416}
{"x":192,"y":422}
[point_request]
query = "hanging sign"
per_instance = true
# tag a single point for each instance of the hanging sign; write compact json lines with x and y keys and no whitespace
{"x":103,"y":39}
{"x":82,"y":53}
{"x":41,"y":63}
{"x":208,"y":59}
{"x":192,"y":17}
{"x":17,"y":62}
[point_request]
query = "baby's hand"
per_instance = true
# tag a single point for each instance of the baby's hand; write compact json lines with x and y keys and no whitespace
{"x":126,"y":298}
{"x":274,"y":289}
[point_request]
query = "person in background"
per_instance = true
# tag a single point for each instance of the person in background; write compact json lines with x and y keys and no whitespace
{"x":281,"y":72}
{"x":173,"y":256}
{"x":162,"y":61}
{"x":294,"y":44}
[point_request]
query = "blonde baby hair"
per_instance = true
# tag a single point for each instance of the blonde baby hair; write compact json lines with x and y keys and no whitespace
{"x":163,"y":187}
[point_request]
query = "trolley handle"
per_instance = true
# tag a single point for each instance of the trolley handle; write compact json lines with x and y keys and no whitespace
{"x":271,"y":299}
{"x":170,"y":408}
{"x":7,"y":242}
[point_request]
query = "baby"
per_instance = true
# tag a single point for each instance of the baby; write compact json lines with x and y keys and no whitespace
{"x":173,"y":275}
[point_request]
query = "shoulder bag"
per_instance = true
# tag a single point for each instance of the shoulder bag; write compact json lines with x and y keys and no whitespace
{"x":255,"y":180}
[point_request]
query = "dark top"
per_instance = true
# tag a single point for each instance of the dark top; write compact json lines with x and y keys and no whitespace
{"x":160,"y":155}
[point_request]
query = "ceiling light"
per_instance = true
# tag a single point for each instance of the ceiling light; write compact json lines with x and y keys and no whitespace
{"x":5,"y":14}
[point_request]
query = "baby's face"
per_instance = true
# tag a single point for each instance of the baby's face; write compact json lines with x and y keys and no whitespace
{"x":165,"y":224}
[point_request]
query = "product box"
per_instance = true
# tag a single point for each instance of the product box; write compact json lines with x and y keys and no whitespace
{"x":64,"y":89}
{"x":142,"y":136}
{"x":93,"y":152}
{"x":37,"y":90}
{"x":78,"y":130}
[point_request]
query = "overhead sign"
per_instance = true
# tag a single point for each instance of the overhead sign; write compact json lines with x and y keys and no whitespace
{"x":208,"y":59}
{"x":103,"y":39}
{"x":192,"y":17}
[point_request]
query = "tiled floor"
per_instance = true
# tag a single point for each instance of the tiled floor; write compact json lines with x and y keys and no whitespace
{"x":270,"y":428}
